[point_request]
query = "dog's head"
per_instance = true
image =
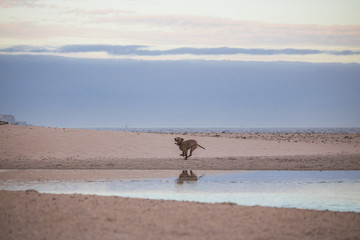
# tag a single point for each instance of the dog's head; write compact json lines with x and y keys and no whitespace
{"x":178,"y":140}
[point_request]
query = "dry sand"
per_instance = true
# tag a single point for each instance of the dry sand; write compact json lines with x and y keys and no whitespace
{"x":29,"y":215}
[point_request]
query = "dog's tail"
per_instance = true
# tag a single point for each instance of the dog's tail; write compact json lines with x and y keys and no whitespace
{"x":201,"y":146}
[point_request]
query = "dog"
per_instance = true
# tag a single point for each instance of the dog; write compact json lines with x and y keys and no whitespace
{"x":184,"y":146}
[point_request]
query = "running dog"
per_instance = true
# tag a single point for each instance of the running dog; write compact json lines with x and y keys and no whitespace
{"x":184,"y":146}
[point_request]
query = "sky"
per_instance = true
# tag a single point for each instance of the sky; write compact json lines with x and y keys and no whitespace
{"x":325,"y":26}
{"x":152,"y":63}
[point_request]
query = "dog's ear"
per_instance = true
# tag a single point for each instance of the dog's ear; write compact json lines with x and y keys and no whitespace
{"x":181,"y":139}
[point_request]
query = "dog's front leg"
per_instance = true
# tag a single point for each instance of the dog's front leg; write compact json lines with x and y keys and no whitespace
{"x":186,"y":156}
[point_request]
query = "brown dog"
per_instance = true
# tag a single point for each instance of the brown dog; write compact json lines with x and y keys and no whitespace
{"x":184,"y":146}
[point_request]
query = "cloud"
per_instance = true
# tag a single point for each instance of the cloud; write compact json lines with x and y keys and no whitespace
{"x":142,"y":50}
{"x":110,"y":49}
{"x":25,"y":48}
{"x":16,"y":3}
{"x":112,"y":26}
{"x":101,"y":12}
{"x":219,"y":30}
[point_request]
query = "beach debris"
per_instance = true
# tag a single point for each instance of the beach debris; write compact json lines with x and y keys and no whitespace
{"x":29,"y":191}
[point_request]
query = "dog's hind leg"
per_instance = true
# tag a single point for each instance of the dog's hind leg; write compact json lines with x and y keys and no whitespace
{"x":192,"y":149}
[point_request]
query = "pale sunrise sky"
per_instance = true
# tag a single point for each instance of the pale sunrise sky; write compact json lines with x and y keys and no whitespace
{"x":188,"y":63}
{"x":329,"y":28}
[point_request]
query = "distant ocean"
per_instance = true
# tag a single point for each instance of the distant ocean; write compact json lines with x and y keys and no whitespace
{"x":234,"y":130}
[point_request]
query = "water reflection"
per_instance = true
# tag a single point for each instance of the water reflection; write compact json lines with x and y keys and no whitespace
{"x":320,"y":190}
{"x":186,"y":177}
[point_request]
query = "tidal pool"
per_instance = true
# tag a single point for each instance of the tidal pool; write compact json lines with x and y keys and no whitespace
{"x":319,"y":190}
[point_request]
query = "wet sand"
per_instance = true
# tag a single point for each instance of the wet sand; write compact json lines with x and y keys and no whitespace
{"x":29,"y":215}
{"x":296,"y":162}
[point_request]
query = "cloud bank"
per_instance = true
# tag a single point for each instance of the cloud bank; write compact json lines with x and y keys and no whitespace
{"x":142,"y":50}
{"x":175,"y":30}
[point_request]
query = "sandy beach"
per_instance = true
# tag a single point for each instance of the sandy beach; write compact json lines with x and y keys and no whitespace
{"x":41,"y":151}
{"x":46,"y":216}
{"x":58,"y":148}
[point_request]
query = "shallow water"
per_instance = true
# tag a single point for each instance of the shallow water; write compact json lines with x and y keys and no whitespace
{"x":319,"y":190}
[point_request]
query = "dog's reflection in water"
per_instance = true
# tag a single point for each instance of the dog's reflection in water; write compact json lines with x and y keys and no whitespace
{"x":185,"y":176}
